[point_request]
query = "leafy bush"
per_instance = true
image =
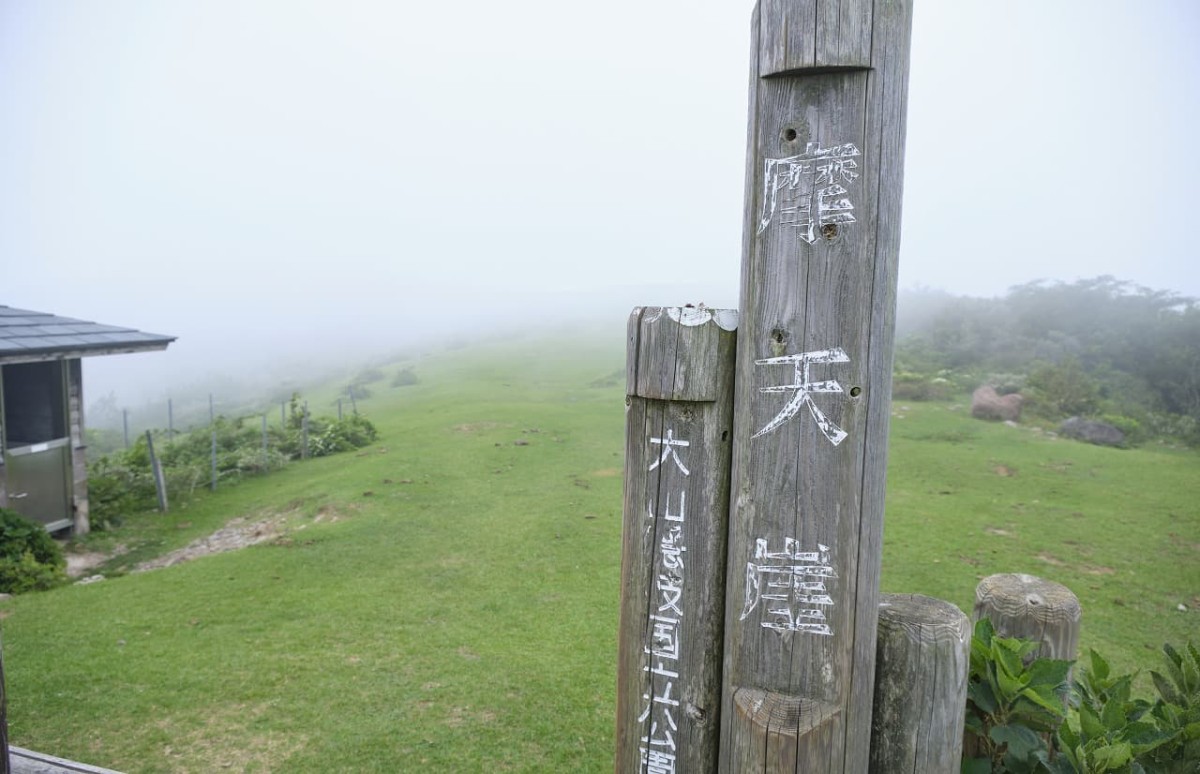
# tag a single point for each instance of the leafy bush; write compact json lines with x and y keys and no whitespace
{"x":122,"y":482}
{"x":1021,"y":717}
{"x":1132,"y":429}
{"x":1013,"y":702}
{"x":1105,"y":346}
{"x":1060,"y":390}
{"x":913,"y":386}
{"x":368,"y":376}
{"x":30,"y":560}
{"x":404,"y":377}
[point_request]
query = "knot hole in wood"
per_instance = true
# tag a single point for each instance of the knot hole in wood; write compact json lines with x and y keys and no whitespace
{"x":779,"y":340}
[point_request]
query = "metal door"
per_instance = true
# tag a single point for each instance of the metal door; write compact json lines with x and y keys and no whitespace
{"x":38,"y":482}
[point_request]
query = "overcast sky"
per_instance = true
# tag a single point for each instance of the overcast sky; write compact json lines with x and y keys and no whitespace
{"x":257,"y":175}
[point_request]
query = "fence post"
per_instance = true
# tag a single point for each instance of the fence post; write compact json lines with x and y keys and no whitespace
{"x":125,"y":425}
{"x":170,"y":422}
{"x":922,"y":660}
{"x":213,"y":482}
{"x":679,"y":409}
{"x":304,"y":433}
{"x":820,"y":242}
{"x":264,"y":443}
{"x":160,"y":483}
{"x":1031,"y":608}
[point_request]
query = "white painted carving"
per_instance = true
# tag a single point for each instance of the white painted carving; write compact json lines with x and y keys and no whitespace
{"x":659,"y":748}
{"x":668,"y":451}
{"x":690,"y":316}
{"x":806,"y":191}
{"x":802,"y":388}
{"x":790,"y":584}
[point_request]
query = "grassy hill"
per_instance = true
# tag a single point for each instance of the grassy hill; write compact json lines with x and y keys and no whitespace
{"x":446,"y":599}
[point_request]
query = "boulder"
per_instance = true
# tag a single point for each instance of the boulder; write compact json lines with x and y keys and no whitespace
{"x":1091,"y":431}
{"x":986,"y":403}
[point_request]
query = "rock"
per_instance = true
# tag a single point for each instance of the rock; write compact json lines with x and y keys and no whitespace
{"x":1091,"y":431}
{"x":986,"y":403}
{"x":89,"y":579}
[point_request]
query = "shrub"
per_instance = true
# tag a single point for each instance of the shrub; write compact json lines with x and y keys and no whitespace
{"x":368,"y":375}
{"x":913,"y":386}
{"x":1063,"y":390}
{"x":121,"y":482}
{"x":404,"y":377}
{"x":1013,"y":700}
{"x":1130,"y":427}
{"x":1021,"y":718}
{"x":30,"y":560}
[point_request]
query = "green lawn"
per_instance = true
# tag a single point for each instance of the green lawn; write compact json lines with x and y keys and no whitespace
{"x":446,"y":599}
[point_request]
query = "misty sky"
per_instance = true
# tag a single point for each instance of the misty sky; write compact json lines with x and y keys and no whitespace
{"x":290,"y":175}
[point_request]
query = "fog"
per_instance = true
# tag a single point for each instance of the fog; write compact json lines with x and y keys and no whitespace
{"x":293,"y":182}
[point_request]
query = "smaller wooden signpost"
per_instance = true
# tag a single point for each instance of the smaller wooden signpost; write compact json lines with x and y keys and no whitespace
{"x":677,"y":429}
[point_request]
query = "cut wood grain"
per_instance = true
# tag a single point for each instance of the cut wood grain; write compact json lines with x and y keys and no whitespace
{"x":1031,"y":608}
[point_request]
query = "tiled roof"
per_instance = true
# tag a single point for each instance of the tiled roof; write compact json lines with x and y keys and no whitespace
{"x":26,"y":335}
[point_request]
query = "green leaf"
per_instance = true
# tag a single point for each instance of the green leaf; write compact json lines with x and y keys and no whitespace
{"x":976,"y":766}
{"x":1068,"y":733}
{"x":1100,"y":668}
{"x":1113,"y":716}
{"x":1113,"y":756}
{"x":1008,"y":657}
{"x":1049,"y":671}
{"x":1058,"y":765}
{"x":984,"y":631}
{"x":1052,"y":703}
{"x":1089,"y":723}
{"x":1021,"y":743}
{"x":1191,"y":674}
{"x":1174,"y":668}
{"x":981,"y":693}
{"x":1120,"y":689}
{"x":1165,"y":689}
{"x":1143,"y":737}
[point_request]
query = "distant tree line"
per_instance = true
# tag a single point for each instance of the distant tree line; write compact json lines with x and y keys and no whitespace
{"x":1099,"y":347}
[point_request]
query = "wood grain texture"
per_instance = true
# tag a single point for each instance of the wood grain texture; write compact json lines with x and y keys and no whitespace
{"x":680,"y":389}
{"x":1031,"y":608}
{"x":827,"y":105}
{"x":922,"y":659}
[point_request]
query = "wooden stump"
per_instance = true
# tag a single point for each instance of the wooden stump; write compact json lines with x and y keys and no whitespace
{"x":1031,"y":608}
{"x":921,"y":665}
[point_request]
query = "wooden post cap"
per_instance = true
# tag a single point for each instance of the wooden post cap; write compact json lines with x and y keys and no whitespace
{"x":1031,"y":608}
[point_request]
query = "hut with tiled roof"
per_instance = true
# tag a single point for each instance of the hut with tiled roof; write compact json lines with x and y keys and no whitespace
{"x":43,"y":470}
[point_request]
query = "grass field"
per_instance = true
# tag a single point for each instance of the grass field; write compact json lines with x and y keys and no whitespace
{"x":446,"y":600}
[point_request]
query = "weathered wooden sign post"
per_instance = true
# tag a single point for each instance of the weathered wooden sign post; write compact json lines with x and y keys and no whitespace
{"x":813,"y":381}
{"x":677,"y":430}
